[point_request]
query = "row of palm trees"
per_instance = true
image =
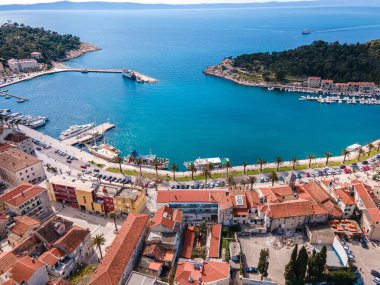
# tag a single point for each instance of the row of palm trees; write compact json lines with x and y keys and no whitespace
{"x":206,"y":171}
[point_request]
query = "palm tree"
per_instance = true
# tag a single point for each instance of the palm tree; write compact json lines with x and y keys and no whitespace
{"x":360,"y":152}
{"x":294,"y":161}
{"x":345,"y":152}
{"x":244,"y":166}
{"x":174,"y":168}
{"x":230,"y":181}
{"x":310,"y":157}
{"x":243,"y":182}
{"x":370,"y":147}
{"x":261,"y":162}
{"x":119,"y":160}
{"x":139,"y":162}
{"x":227,"y":165}
{"x":278,"y":161}
{"x":328,"y":155}
{"x":206,"y":172}
{"x":113,"y":216}
{"x":156,"y":163}
{"x":98,"y":241}
{"x":252,"y":180}
{"x":273,"y":177}
{"x":193,"y":169}
{"x":210,"y":166}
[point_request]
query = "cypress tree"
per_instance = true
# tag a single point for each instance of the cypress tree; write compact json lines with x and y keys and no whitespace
{"x":290,"y":267}
{"x":263,"y":264}
{"x":301,"y":265}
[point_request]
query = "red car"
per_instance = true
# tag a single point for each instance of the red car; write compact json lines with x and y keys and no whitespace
{"x":347,"y":170}
{"x":307,"y":174}
{"x":83,"y":166}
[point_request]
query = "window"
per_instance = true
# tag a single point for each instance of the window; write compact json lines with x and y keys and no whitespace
{"x":84,"y":199}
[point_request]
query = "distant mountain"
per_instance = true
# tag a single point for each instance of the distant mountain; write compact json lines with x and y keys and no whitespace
{"x":67,"y":5}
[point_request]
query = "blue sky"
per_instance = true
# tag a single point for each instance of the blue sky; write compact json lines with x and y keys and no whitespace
{"x":144,"y":1}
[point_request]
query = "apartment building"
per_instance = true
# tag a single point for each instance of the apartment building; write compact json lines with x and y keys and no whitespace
{"x":22,"y":65}
{"x":18,"y":167}
{"x":27,"y":199}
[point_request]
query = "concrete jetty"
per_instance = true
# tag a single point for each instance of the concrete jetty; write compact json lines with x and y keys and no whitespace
{"x":100,"y":129}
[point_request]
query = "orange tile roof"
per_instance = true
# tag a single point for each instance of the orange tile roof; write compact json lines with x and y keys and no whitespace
{"x":364,"y":195}
{"x":253,"y":199}
{"x":9,"y":282}
{"x":275,"y":194}
{"x":48,"y":258}
{"x":188,"y":244}
{"x":7,"y":260}
{"x":239,"y":212}
{"x":221,"y":197}
{"x":21,"y":194}
{"x":158,"y":252}
{"x":297,"y":208}
{"x":15,"y":160}
{"x":345,"y":197}
{"x":72,"y":239}
{"x":112,"y":266}
{"x":374,"y":213}
{"x":4,"y":147}
{"x":312,"y":191}
{"x":167,"y":217}
{"x":216,"y":233}
{"x":24,"y":268}
{"x":156,"y":266}
{"x":23,"y":224}
{"x":211,"y":271}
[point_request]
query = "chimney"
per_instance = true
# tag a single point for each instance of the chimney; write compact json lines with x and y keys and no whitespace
{"x":33,"y":261}
{"x":22,"y":193}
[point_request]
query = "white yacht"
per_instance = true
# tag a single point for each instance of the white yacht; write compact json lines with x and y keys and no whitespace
{"x":105,"y":151}
{"x":75,"y":130}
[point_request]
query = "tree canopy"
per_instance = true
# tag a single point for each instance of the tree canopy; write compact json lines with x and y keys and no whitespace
{"x":18,"y":41}
{"x":340,"y":62}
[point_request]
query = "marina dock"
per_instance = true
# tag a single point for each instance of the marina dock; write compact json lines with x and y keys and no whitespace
{"x":100,"y":128}
{"x":8,"y":95}
{"x":139,"y":76}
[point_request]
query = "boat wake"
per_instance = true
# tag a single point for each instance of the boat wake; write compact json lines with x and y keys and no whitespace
{"x":347,"y":28}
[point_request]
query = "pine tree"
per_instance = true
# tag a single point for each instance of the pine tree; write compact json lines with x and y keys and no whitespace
{"x":301,"y":266}
{"x":263,"y":264}
{"x":316,"y":265}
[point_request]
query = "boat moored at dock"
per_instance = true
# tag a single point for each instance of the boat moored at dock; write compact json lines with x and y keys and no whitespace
{"x":201,"y":163}
{"x":104,"y":151}
{"x":75,"y":130}
{"x":147,"y":160}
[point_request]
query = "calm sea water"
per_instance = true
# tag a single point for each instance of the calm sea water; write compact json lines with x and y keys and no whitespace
{"x":187,"y":114}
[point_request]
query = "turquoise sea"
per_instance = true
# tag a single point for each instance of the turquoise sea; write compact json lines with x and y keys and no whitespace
{"x":187,"y":114}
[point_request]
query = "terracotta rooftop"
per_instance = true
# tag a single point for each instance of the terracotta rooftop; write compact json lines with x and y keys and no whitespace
{"x":159,"y":252}
{"x":49,"y":233}
{"x":216,"y":233}
{"x":24,"y":268}
{"x":345,"y":197}
{"x":4,"y":147}
{"x":312,"y":191}
{"x":22,"y":194}
{"x":48,"y":258}
{"x":7,"y":260}
{"x":374,"y":213}
{"x":196,"y":196}
{"x":276,"y":194}
{"x":15,"y":160}
{"x":364,"y":195}
{"x":112,"y":266}
{"x":23,"y":224}
{"x":167,"y":217}
{"x":188,"y":243}
{"x":211,"y":271}
{"x":72,"y":239}
{"x":297,"y":208}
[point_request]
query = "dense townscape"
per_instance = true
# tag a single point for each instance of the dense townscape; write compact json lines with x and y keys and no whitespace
{"x":71,"y":215}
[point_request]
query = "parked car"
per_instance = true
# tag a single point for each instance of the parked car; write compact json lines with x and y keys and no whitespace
{"x":251,"y":270}
{"x":83,"y":166}
{"x":375,"y":273}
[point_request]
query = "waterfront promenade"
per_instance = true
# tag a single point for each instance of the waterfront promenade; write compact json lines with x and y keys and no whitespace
{"x":102,"y":129}
{"x":86,"y":157}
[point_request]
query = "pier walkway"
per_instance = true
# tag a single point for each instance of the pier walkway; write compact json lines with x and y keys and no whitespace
{"x":139,"y":76}
{"x":100,"y":128}
{"x":6,"y":94}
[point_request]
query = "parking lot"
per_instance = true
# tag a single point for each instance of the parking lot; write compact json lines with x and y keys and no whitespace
{"x":278,"y":258}
{"x":366,"y":259}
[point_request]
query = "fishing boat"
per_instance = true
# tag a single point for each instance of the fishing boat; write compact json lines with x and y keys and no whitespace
{"x":105,"y":151}
{"x":147,"y":160}
{"x":37,"y":124}
{"x":75,"y":130}
{"x":306,"y":32}
{"x":200,"y":163}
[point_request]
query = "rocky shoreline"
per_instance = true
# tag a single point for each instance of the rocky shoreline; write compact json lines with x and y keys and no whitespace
{"x":83,"y":49}
{"x":226,"y":70}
